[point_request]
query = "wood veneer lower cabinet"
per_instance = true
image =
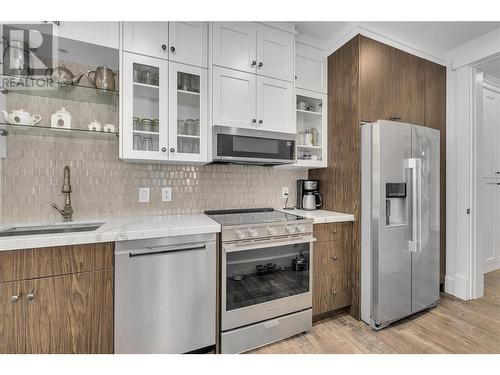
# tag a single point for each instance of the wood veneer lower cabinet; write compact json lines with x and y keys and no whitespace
{"x":59,"y":310}
{"x":12,"y":317}
{"x":332,"y":267}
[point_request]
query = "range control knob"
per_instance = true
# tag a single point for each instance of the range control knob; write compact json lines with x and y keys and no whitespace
{"x":300,"y":227}
{"x":240,"y":234}
{"x":253,"y":232}
{"x":272,"y":231}
{"x":290,"y":228}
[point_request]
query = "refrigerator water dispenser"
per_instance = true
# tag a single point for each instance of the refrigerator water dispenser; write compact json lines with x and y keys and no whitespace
{"x":395,"y":204}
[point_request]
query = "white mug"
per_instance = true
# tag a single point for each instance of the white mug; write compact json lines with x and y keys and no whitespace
{"x":109,"y":128}
{"x":302,"y":106}
{"x":94,"y":126}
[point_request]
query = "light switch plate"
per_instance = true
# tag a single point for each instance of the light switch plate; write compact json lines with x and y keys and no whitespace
{"x":166,"y":194}
{"x":144,"y":195}
{"x":284,"y":192}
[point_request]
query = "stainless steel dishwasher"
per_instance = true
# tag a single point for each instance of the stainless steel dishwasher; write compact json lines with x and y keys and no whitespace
{"x":165,"y":294}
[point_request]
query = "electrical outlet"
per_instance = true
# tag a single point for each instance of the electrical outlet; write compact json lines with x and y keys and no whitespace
{"x":144,"y":195}
{"x":166,"y":194}
{"x":284,"y":192}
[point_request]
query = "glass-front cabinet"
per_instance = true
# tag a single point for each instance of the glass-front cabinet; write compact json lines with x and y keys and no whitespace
{"x":187,"y":113}
{"x":163,"y":110}
{"x":144,"y":96}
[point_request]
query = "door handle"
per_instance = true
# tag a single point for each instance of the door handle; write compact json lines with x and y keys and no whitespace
{"x":415,"y":165}
{"x":161,"y":251}
{"x":31,"y":295}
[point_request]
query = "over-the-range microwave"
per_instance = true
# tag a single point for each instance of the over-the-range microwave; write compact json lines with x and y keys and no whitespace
{"x":252,"y":146}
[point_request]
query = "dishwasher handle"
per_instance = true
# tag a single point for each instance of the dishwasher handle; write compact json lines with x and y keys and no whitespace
{"x":163,"y":250}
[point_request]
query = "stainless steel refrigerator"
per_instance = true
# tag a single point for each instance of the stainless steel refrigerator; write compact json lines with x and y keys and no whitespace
{"x":399,"y":221}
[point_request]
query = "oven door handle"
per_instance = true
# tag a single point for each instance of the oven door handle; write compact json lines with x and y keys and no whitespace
{"x":234,"y":247}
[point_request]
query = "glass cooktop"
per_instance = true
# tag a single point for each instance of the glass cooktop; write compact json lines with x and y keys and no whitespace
{"x":250,"y":216}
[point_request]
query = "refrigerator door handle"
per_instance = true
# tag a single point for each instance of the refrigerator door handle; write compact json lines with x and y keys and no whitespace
{"x":415,"y":165}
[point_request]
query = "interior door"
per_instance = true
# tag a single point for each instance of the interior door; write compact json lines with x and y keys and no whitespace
{"x":234,"y":98}
{"x":275,"y":53}
{"x":188,"y":42}
{"x":391,"y":282}
{"x":275,"y":105}
{"x":234,"y":45}
{"x":146,"y":38}
{"x":425,"y":260}
{"x":12,"y":318}
{"x":491,"y":134}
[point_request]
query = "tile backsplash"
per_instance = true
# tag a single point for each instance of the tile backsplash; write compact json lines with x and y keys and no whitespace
{"x":31,"y":176}
{"x":104,"y":186}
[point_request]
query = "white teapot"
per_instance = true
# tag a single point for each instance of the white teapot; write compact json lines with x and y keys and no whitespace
{"x":21,"y":117}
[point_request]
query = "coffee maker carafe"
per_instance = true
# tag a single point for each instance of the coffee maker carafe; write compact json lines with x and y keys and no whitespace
{"x":308,"y":196}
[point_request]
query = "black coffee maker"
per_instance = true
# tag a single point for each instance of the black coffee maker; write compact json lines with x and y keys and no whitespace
{"x":308,"y":195}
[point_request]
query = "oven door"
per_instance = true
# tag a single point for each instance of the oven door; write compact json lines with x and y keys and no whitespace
{"x":251,"y":146}
{"x":265,"y":279}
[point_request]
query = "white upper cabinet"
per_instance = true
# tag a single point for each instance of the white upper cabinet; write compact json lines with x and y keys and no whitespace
{"x":187,"y":111}
{"x":234,"y":98}
{"x":143,"y":109}
{"x":146,"y":38}
{"x":188,"y":43}
{"x":275,"y":105}
{"x":234,"y":45}
{"x":254,"y":48}
{"x":275,"y":53}
{"x":310,"y":69}
{"x":101,"y":33}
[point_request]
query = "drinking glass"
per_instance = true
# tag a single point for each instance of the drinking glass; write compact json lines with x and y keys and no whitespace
{"x":137,"y":142}
{"x":148,"y":144}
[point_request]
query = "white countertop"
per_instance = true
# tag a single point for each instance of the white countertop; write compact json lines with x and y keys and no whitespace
{"x":117,"y":229}
{"x":321,"y":216}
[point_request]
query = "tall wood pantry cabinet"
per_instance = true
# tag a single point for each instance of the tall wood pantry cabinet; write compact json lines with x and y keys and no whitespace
{"x":368,"y":81}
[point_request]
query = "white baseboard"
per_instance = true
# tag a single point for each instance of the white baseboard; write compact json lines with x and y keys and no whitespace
{"x":456,"y":286}
{"x":492,"y":266}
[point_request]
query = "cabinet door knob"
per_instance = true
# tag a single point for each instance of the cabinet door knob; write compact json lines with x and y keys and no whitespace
{"x":15,"y":298}
{"x":163,"y":47}
{"x":295,"y":76}
{"x":497,"y":172}
{"x":334,"y":258}
{"x":261,"y":64}
{"x":334,"y":292}
{"x":261,"y":121}
{"x":30,"y":296}
{"x":164,"y":149}
{"x":172,"y":149}
{"x":254,"y":121}
{"x":254,"y":63}
{"x":172,"y":49}
{"x":334,"y":231}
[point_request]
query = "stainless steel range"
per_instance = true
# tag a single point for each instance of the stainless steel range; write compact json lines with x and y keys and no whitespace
{"x":266,"y":276}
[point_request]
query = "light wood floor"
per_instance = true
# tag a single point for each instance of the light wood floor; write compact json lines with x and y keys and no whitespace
{"x":454,"y":326}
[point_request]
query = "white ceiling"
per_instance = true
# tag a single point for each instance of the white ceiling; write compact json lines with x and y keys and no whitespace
{"x":435,"y":38}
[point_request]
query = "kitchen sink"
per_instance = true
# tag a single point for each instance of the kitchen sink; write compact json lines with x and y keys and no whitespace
{"x":49,"y":229}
